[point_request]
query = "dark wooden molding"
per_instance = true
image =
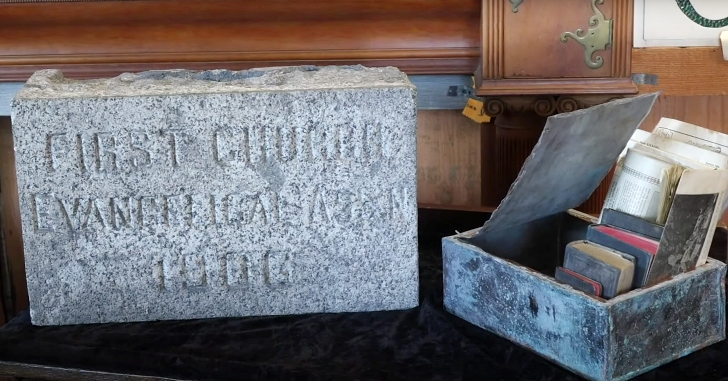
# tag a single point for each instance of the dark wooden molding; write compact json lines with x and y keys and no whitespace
{"x":19,"y":73}
{"x":492,"y":40}
{"x":623,"y":30}
{"x":62,"y":1}
{"x":542,"y":105}
{"x":557,"y":86}
{"x":103,"y":38}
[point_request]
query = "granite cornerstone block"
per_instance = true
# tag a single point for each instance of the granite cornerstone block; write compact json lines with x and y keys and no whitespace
{"x":181,"y":194}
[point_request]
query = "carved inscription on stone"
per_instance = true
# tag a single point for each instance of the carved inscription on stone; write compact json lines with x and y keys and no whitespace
{"x":205,"y":272}
{"x":114,"y":151}
{"x":304,"y":143}
{"x":324,"y":206}
{"x":187,"y":195}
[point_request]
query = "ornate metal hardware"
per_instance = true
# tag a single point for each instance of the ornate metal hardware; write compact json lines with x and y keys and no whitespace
{"x":515,"y":4}
{"x":598,"y":37}
{"x":687,"y":8}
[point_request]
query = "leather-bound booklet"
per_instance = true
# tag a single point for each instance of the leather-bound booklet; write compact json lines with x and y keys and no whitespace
{"x":631,"y":223}
{"x":642,"y":248}
{"x":600,"y":264}
{"x":578,"y":281}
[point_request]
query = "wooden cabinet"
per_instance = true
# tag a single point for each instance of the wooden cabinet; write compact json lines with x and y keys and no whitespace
{"x":539,"y":58}
{"x":532,"y":46}
{"x":548,"y":47}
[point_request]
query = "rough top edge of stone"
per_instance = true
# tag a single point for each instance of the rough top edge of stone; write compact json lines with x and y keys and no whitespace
{"x":51,"y":83}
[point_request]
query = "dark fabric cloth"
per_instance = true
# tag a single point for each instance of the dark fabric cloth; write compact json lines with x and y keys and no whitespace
{"x":425,"y":343}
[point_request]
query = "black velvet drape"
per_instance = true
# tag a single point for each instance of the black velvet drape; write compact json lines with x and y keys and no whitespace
{"x":425,"y":343}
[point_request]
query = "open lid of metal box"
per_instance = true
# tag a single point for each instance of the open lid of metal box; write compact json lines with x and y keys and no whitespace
{"x":574,"y":154}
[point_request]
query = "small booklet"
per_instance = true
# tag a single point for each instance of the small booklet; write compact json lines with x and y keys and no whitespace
{"x":642,"y":248}
{"x":578,"y":281}
{"x":631,"y":223}
{"x":607,"y":267}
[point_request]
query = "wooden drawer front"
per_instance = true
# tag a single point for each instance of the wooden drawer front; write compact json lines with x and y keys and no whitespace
{"x":532,"y":40}
{"x":526,"y":50}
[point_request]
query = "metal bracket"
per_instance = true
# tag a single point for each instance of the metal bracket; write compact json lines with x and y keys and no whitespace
{"x":515,"y":4}
{"x":598,"y":37}
{"x":459,"y":91}
{"x":644,"y":79}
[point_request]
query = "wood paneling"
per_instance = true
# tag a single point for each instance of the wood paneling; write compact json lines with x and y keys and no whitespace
{"x":705,"y":111}
{"x":622,"y":26}
{"x":92,"y":39}
{"x":448,"y":159}
{"x":506,"y":143}
{"x":683,"y":71}
{"x":448,"y":143}
{"x":11,"y":216}
{"x":104,"y":38}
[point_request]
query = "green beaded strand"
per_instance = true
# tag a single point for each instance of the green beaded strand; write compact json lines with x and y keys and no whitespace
{"x":687,"y":8}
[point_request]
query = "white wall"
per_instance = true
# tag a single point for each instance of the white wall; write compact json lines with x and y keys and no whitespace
{"x":662,"y":23}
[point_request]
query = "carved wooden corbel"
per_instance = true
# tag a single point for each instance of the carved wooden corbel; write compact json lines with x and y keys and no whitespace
{"x":542,"y":105}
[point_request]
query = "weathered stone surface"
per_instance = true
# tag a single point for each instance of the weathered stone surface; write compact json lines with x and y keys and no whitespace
{"x":180,"y":195}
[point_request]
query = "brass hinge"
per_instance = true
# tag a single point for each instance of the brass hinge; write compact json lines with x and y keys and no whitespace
{"x":515,"y":4}
{"x":598,"y":37}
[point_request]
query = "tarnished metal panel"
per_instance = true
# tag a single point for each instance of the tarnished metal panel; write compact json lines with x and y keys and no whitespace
{"x":574,"y":153}
{"x":523,"y":306}
{"x":601,"y":340}
{"x":667,"y":321}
